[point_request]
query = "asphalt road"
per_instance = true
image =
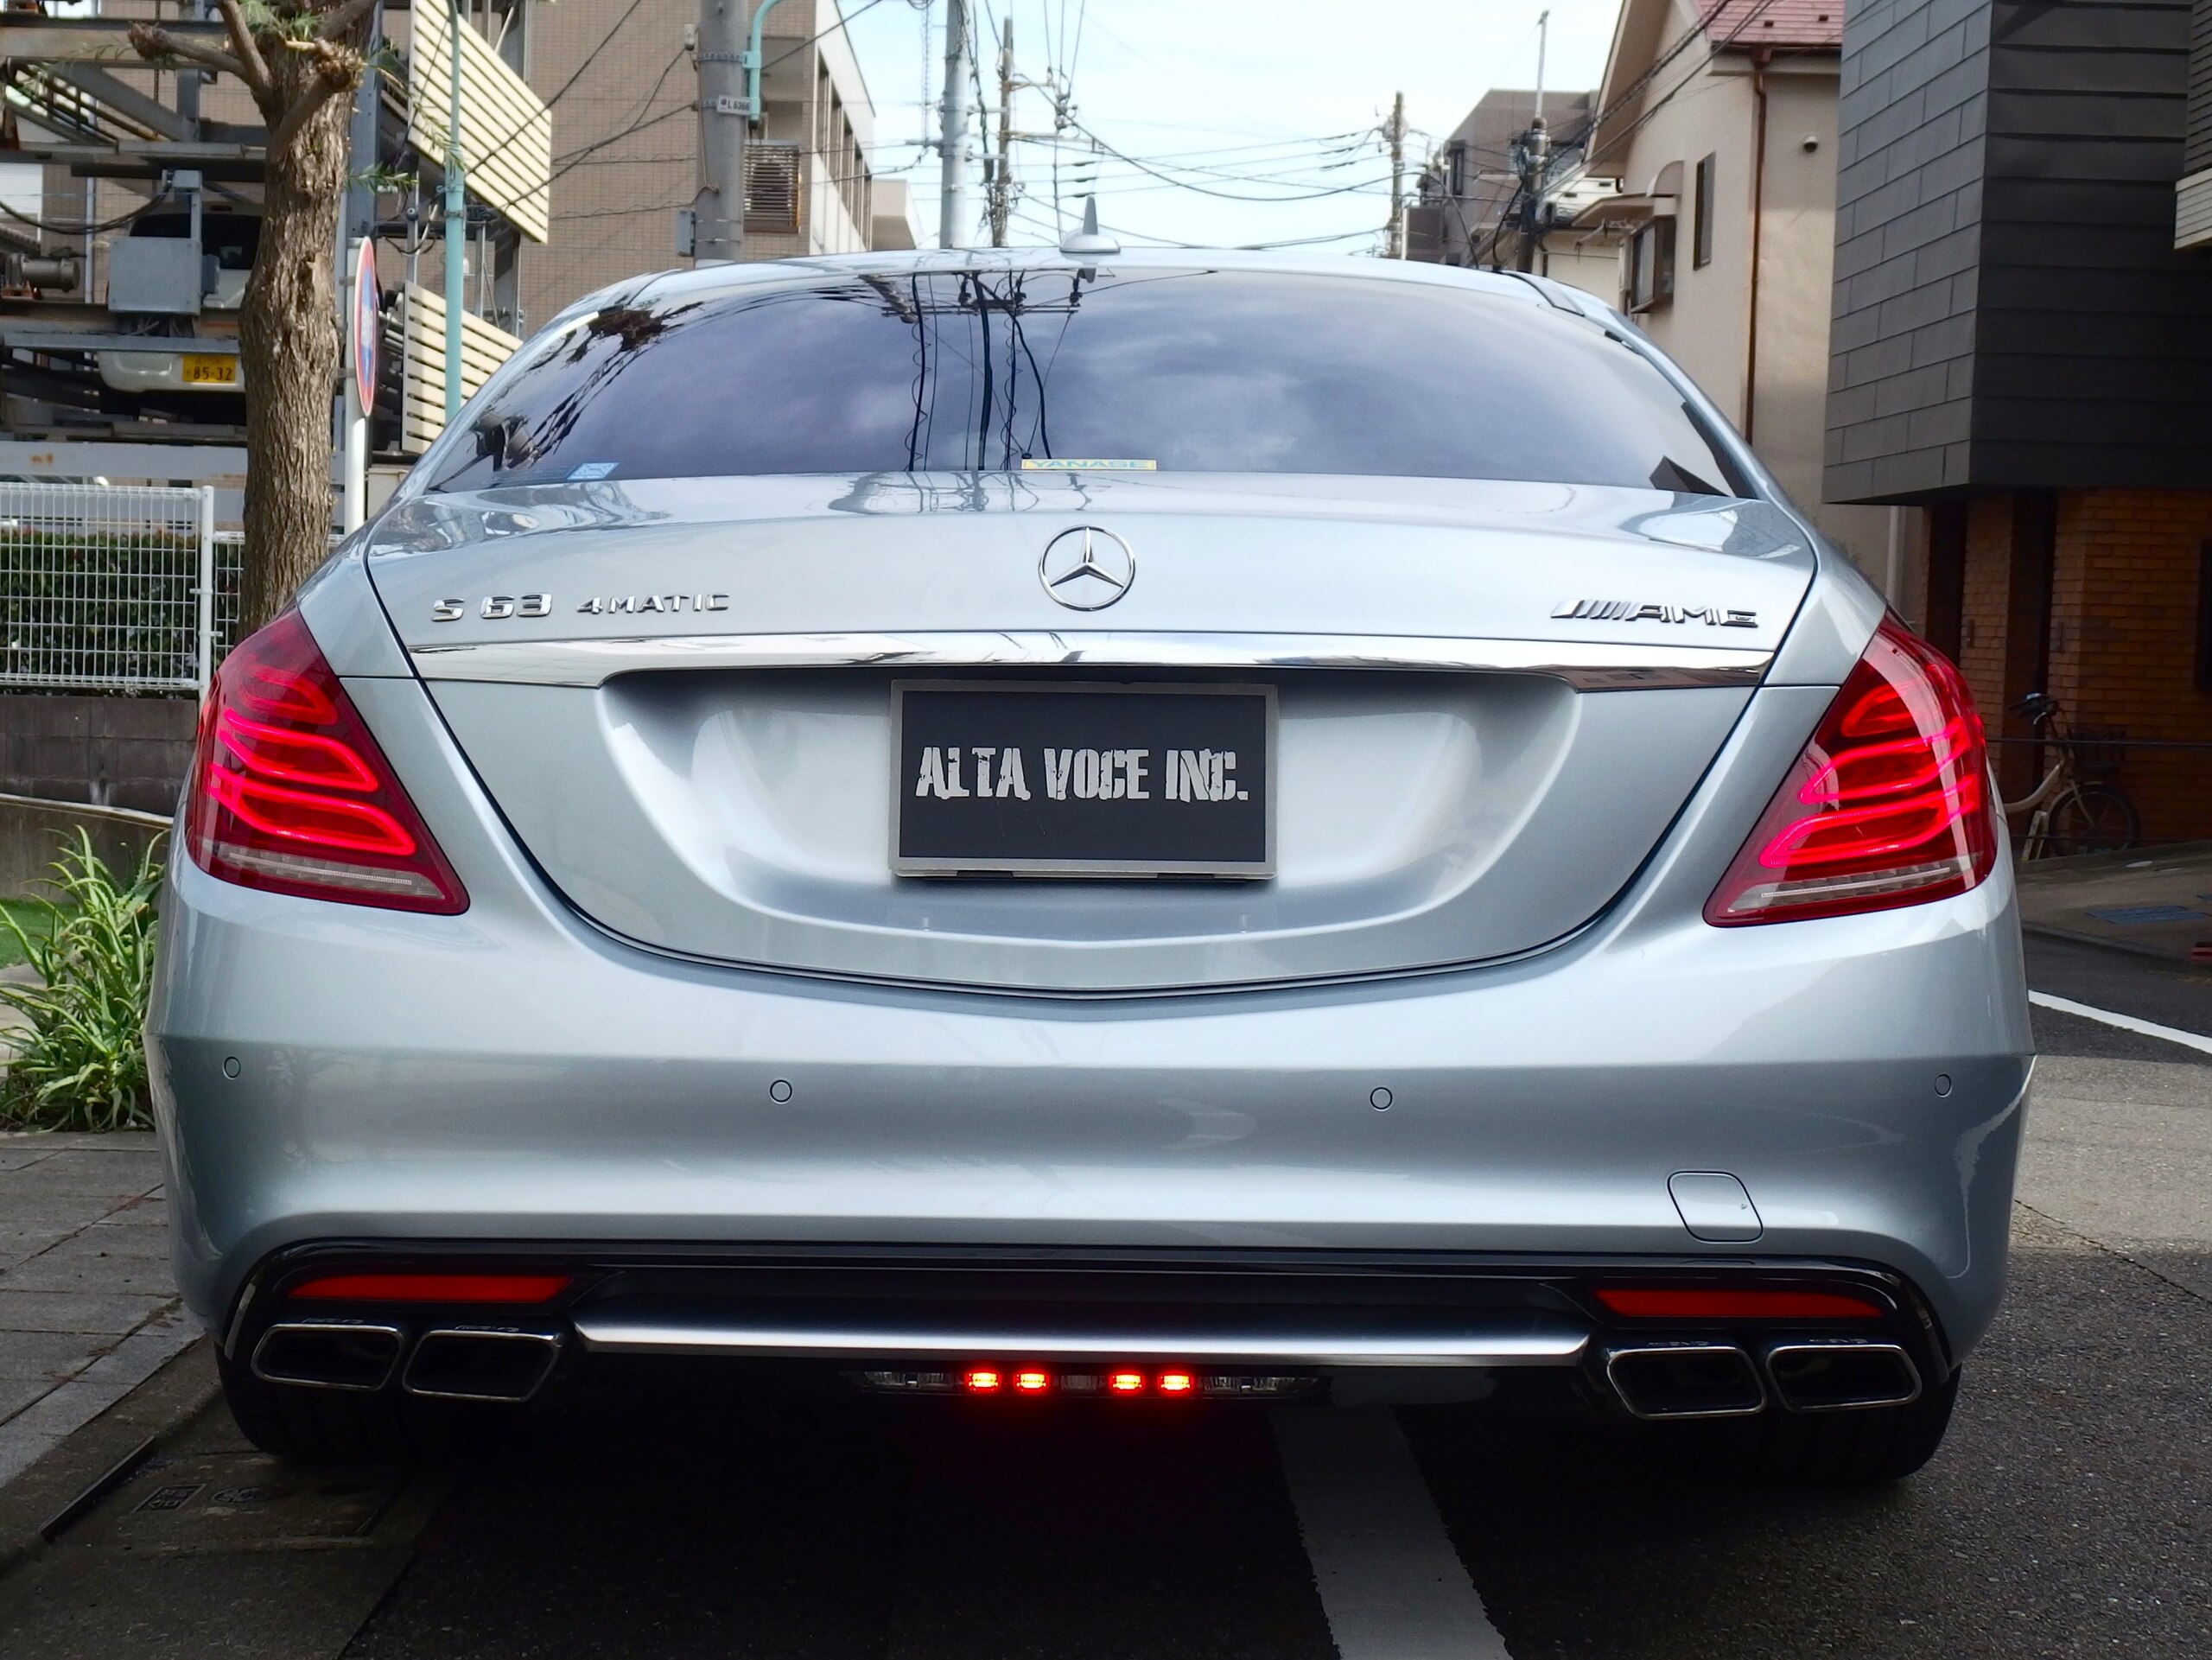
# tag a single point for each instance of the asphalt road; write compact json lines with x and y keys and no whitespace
{"x":2070,"y":1512}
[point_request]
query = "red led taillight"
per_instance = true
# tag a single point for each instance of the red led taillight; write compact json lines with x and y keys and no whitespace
{"x":291,"y":792}
{"x":981,"y":1380}
{"x":1125,"y":1383}
{"x":1643,"y":1303}
{"x":1032,"y":1383}
{"x":1177,"y":1383}
{"x":432,"y":1287}
{"x":1888,"y":805}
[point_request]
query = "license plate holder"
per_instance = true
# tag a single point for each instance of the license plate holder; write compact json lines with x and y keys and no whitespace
{"x":1077,"y":779}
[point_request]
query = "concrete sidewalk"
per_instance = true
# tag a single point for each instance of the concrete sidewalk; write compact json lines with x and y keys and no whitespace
{"x":87,"y":1311}
{"x":2156,"y":902}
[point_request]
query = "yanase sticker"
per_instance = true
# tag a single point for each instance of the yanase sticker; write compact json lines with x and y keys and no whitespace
{"x":592,"y":470}
{"x":1054,"y":464}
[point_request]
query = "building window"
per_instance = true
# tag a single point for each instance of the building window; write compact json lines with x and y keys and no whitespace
{"x":1702,"y":239}
{"x":1651,"y":264}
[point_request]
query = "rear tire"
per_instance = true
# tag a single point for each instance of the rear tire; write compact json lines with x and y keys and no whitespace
{"x":326,"y":1426}
{"x":1856,"y":1448}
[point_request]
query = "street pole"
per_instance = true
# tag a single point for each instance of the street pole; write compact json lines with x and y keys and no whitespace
{"x":720,"y":237}
{"x":1396,"y":241}
{"x":1002,"y":175}
{"x":456,"y":245}
{"x":952,"y":129}
{"x":1543,"y":38}
{"x":359,"y":226}
{"x":356,"y":495}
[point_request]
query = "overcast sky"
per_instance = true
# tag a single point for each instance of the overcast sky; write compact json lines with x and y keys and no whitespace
{"x":1278,"y":98}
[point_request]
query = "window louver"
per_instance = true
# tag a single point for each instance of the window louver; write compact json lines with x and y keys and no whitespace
{"x":771,"y":187}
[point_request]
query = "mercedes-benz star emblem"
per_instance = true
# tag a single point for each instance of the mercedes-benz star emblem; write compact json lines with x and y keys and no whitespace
{"x":1086,"y":569}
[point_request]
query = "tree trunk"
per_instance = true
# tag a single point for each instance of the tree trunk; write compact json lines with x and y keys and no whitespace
{"x":289,"y":350}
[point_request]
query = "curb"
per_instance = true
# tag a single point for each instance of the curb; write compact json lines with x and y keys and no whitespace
{"x":2128,"y":947}
{"x":102,"y":1452}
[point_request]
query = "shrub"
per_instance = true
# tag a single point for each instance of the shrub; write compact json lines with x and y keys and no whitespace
{"x":83,"y":1063}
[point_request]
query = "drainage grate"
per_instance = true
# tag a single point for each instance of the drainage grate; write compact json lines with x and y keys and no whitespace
{"x":2135,"y":915}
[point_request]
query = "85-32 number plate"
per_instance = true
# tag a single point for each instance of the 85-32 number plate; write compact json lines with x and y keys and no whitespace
{"x":1030,"y":779}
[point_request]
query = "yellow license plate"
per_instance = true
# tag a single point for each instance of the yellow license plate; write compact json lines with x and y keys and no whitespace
{"x":204,"y":369}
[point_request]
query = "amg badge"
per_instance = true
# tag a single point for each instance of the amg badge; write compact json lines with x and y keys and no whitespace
{"x":1652,"y":611}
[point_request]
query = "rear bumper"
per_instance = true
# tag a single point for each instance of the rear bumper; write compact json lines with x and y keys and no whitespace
{"x":1255,"y":1325}
{"x":512,"y":1075}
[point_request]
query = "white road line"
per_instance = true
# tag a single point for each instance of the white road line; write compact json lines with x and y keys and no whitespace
{"x":2125,"y":1022}
{"x":1391,"y":1583}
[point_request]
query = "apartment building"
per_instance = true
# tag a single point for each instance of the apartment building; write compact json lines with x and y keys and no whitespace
{"x":2022,"y":358}
{"x":1721,"y":122}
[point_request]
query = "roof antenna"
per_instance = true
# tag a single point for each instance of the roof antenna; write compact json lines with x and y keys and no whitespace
{"x":1090,"y":240}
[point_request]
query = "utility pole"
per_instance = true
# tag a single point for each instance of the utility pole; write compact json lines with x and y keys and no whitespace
{"x":1396,"y":133}
{"x":456,"y":243}
{"x":952,"y":129}
{"x":1535,"y":158}
{"x":1003,"y":172}
{"x":718,"y":236}
{"x":1535,"y":167}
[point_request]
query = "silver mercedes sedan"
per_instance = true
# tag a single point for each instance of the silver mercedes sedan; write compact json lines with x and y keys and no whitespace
{"x":1095,"y":832}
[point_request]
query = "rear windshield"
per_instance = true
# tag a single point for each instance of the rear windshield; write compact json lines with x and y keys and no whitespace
{"x":1184,"y":370}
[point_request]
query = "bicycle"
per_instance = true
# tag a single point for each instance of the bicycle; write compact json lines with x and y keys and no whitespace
{"x":2066,"y":814}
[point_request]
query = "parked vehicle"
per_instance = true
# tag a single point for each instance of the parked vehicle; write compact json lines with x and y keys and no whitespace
{"x":1134,"y":828}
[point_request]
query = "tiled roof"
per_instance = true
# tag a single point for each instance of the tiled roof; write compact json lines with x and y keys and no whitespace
{"x":1795,"y":24}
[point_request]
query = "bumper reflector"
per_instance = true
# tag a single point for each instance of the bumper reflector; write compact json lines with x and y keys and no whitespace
{"x":1643,"y":1303}
{"x":432,"y":1287}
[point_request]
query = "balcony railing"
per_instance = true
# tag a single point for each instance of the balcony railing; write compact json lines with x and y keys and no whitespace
{"x":422,"y":358}
{"x":506,"y":132}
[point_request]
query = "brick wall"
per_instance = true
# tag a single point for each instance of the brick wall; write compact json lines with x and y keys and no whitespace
{"x":2123,"y":641}
{"x":1987,"y":600}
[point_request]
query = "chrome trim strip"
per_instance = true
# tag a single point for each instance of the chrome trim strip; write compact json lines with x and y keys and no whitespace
{"x":1520,"y":1343}
{"x":1593,"y":665}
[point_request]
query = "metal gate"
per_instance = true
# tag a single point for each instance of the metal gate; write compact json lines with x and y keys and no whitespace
{"x":113,"y":588}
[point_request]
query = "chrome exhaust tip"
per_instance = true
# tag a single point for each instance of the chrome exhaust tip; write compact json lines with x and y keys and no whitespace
{"x":1841,"y":1374}
{"x":329,"y":1354}
{"x":1686,"y":1380}
{"x":481,"y":1363}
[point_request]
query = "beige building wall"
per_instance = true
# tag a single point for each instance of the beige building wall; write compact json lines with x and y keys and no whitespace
{"x":625,"y":140}
{"x":625,"y":145}
{"x":1770,"y":379}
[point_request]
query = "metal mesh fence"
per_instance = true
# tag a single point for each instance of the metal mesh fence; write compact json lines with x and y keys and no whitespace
{"x":112,"y":587}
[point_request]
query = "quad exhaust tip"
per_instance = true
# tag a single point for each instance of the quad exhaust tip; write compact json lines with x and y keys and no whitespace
{"x":1722,"y":1380}
{"x":1840,"y":1374}
{"x":328,"y":1354}
{"x":1686,"y":1380}
{"x":449,"y":1363}
{"x":481,"y":1363}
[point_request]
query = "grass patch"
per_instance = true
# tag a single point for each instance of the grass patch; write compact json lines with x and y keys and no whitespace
{"x":28,"y":915}
{"x":82,"y":1065}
